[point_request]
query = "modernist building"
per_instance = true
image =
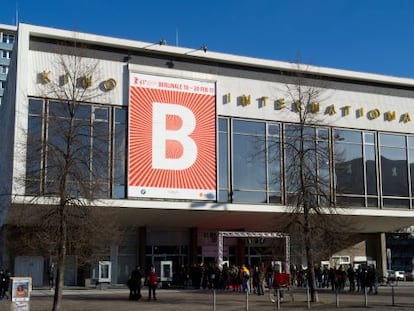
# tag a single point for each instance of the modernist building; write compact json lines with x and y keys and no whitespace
{"x":195,"y":145}
{"x":7,"y":37}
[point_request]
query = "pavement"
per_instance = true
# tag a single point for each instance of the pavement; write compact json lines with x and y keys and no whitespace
{"x":116,"y":299}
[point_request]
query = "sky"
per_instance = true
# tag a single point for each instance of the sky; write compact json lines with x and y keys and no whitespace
{"x":374,"y":36}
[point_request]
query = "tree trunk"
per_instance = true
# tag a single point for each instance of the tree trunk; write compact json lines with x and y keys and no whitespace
{"x":57,"y":299}
{"x":309,"y":258}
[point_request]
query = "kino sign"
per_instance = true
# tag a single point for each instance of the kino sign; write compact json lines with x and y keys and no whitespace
{"x":172,"y":138}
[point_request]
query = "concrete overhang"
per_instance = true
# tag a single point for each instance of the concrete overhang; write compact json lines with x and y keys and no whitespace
{"x":226,"y":216}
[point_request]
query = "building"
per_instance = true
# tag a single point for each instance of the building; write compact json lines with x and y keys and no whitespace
{"x":7,"y":36}
{"x":195,"y":146}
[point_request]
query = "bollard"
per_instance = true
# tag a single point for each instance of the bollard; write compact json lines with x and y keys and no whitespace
{"x":214,"y":300}
{"x":247,"y":300}
{"x":278,"y":298}
{"x":337,"y":298}
{"x":366,"y":297}
{"x":393,"y":295}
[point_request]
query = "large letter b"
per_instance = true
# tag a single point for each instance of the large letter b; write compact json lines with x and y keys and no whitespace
{"x":162,"y":135}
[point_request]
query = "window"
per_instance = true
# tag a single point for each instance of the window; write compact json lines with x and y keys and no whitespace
{"x":120,"y":146}
{"x":394,"y":168}
{"x":307,"y":148}
{"x":249,"y":162}
{"x":251,"y":172}
{"x":80,"y":132}
{"x":5,"y":54}
{"x":4,"y":69}
{"x":223,"y":165}
{"x":274,"y":164}
{"x":8,"y":38}
{"x":349,"y":162}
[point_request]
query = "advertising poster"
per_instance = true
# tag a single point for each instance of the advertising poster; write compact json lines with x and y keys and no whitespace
{"x":172,"y":138}
{"x":21,"y":287}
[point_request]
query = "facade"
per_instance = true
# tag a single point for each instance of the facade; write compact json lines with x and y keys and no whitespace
{"x":7,"y":38}
{"x":196,"y":144}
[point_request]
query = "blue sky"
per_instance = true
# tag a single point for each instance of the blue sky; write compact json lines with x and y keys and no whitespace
{"x":375,"y":36}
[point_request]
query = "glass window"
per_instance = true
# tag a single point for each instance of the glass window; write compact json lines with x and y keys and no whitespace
{"x":394,"y":170}
{"x":72,"y":134}
{"x":33,"y":156}
{"x":350,"y":201}
{"x":249,"y":196}
{"x":410,"y":142}
{"x":101,"y":114}
{"x":36,"y":107}
{"x":249,"y":127}
{"x":369,"y":138}
{"x":300,"y":145}
{"x":273,"y":162}
{"x":223,"y":167}
{"x":349,"y":169}
{"x":396,"y":203}
{"x":392,"y":140}
{"x":8,"y":38}
{"x":347,"y":136}
{"x":249,"y":161}
{"x":119,"y":182}
{"x":5,"y":54}
{"x":371,"y":170}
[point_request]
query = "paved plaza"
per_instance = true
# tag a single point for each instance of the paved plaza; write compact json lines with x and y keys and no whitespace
{"x":116,"y":299}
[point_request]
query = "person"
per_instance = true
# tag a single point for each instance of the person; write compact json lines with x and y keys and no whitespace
{"x":152,"y":283}
{"x":134,"y":284}
{"x":245,"y":276}
{"x":3,"y":284}
{"x":51,"y":272}
{"x":262,"y":277}
{"x":351,"y":278}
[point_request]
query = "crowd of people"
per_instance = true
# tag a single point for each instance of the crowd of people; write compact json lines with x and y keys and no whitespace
{"x":257,"y":277}
{"x":341,"y":278}
{"x":241,"y":278}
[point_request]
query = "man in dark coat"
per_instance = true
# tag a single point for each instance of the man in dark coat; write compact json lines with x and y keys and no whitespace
{"x":134,"y":284}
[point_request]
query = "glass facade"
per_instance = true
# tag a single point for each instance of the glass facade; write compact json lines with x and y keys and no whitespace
{"x":257,"y":163}
{"x":349,"y":168}
{"x":72,"y":144}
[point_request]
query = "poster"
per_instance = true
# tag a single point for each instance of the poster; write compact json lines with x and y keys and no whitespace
{"x":172,"y":138}
{"x":21,"y":287}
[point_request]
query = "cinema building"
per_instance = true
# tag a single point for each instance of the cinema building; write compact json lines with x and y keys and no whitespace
{"x":194,"y":143}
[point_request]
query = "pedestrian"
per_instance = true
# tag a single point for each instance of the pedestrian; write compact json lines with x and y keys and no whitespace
{"x":152,"y":283}
{"x":351,"y":277}
{"x":3,"y":284}
{"x":262,"y":277}
{"x":134,"y":284}
{"x":51,"y":272}
{"x":244,"y":278}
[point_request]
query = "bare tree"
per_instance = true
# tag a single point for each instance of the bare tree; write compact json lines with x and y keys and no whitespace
{"x":68,"y":167}
{"x":308,"y":170}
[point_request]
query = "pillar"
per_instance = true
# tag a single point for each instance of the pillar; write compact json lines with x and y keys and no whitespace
{"x":114,"y":264}
{"x":376,"y":249}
